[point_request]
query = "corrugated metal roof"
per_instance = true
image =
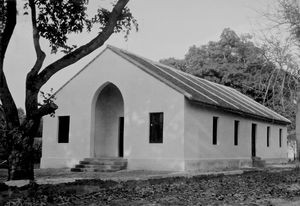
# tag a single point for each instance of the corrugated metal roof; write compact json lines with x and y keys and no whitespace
{"x":203,"y":91}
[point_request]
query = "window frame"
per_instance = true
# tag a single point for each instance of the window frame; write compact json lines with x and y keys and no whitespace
{"x":159,"y":129}
{"x":61,"y":138}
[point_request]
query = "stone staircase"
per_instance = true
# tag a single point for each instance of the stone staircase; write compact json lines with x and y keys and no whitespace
{"x":101,"y":164}
{"x":258,"y":162}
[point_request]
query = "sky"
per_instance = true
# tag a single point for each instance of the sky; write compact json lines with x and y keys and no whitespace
{"x":167,"y":28}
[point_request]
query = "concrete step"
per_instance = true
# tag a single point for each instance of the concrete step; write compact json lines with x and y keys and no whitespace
{"x":261,"y":163}
{"x":102,"y":167}
{"x":256,"y":158}
{"x":92,"y":170}
{"x":106,"y":159}
{"x":258,"y":162}
{"x":105,"y":164}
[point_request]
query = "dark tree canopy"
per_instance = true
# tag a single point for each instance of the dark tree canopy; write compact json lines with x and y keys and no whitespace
{"x":57,"y":19}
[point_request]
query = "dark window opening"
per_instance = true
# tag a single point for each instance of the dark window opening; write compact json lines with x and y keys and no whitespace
{"x":156,"y":127}
{"x":268,"y":136}
{"x":215,"y":130}
{"x":280,"y":135}
{"x":63,"y":129}
{"x":253,"y":140}
{"x":121,"y":136}
{"x":236,"y":131}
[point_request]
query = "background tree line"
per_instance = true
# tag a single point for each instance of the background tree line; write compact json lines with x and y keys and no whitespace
{"x":264,"y":72}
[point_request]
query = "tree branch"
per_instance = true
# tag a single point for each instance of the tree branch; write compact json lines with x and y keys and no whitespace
{"x":45,"y":109}
{"x":9,"y":26}
{"x":84,"y":50}
{"x":9,"y":106}
{"x":31,"y":100}
{"x":40,"y":55}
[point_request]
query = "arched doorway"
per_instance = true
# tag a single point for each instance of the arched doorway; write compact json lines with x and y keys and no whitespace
{"x":109,"y":122}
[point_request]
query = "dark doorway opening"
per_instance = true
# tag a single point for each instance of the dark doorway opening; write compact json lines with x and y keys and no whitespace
{"x":109,"y":107}
{"x":121,"y":136}
{"x":253,"y":140}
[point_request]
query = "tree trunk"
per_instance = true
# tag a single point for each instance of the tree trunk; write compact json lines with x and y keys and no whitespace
{"x":20,"y":165}
{"x":21,"y":155}
{"x":298,"y":122}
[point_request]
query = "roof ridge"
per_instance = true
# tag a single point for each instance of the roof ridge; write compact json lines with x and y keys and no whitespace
{"x":156,"y":63}
{"x":275,"y":115}
{"x":222,"y":85}
{"x":125,"y":53}
{"x":78,"y":72}
{"x":128,"y":52}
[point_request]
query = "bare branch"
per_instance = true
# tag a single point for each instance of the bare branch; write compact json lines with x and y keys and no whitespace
{"x":268,"y":86}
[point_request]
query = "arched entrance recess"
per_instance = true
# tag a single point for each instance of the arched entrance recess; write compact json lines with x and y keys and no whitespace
{"x":109,"y":122}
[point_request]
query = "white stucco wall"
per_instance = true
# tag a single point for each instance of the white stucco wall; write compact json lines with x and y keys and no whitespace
{"x":141,"y":93}
{"x":187,"y":134}
{"x":198,"y":139}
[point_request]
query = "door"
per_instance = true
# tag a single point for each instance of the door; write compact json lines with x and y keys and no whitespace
{"x":253,"y":140}
{"x":121,"y":136}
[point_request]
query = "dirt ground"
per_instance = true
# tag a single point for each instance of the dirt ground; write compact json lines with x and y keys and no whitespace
{"x":63,"y":175}
{"x":267,"y":187}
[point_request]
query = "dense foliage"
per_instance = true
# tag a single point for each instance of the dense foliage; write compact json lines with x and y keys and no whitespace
{"x":237,"y":62}
{"x":57,"y":19}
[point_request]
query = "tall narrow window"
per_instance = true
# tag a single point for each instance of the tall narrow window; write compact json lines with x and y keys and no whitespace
{"x":156,"y":127}
{"x":236,"y":132}
{"x":280,"y":135}
{"x":268,"y":136}
{"x":215,"y":130}
{"x":253,"y":140}
{"x":63,"y":129}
